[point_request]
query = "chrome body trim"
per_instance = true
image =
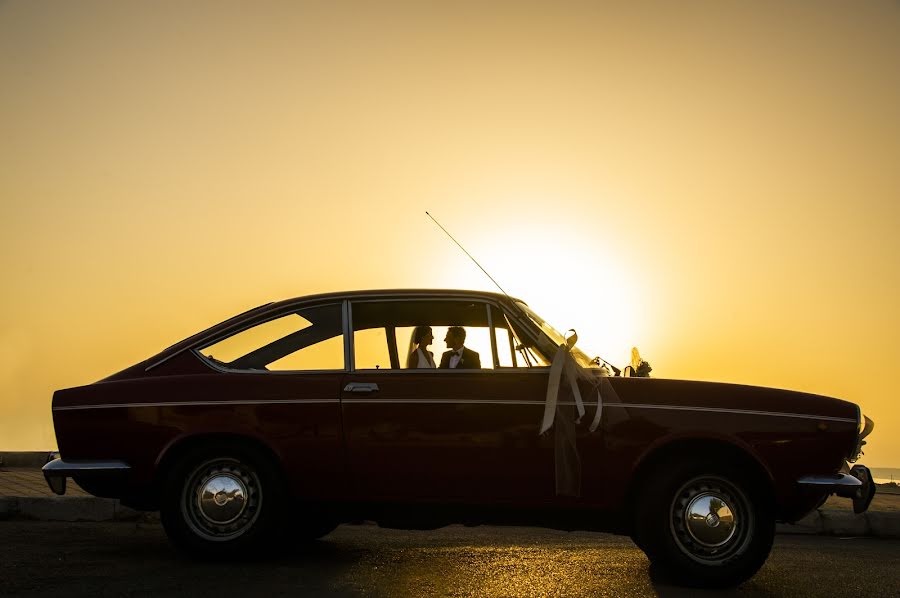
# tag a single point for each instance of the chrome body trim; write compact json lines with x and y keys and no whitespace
{"x":194,"y":404}
{"x":605,"y":405}
{"x":735,"y":411}
{"x":442,"y":402}
{"x":57,"y":470}
{"x":61,"y":467}
{"x":856,"y":485}
{"x":361,"y":387}
{"x":448,"y":401}
{"x":838,"y":480}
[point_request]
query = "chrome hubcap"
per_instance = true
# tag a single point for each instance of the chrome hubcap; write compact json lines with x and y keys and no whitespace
{"x":221,"y":499}
{"x":710,"y":520}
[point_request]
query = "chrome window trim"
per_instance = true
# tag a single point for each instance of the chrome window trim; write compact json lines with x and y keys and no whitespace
{"x":261,"y":319}
{"x":225,"y":370}
{"x":495,"y":361}
{"x":265,"y":316}
{"x":347,"y":312}
{"x":199,"y":338}
{"x":167,"y":358}
{"x":278,"y":314}
{"x":543,"y":369}
{"x":488,"y":303}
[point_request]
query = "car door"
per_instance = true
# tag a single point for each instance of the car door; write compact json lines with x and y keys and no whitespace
{"x":282,"y":385}
{"x":441,"y":434}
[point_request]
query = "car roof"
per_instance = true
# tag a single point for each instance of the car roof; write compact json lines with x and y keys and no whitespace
{"x":235,"y":321}
{"x":376,"y":293}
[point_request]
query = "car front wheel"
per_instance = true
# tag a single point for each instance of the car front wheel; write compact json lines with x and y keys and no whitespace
{"x":705,"y":524}
{"x":221,"y":502}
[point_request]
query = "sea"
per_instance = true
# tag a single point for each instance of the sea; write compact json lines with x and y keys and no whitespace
{"x":885,"y":475}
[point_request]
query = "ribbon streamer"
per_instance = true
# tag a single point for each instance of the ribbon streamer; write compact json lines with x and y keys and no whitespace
{"x":564,"y":362}
{"x":566,"y":458}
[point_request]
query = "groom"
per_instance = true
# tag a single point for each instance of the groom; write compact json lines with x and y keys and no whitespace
{"x":459,"y":357}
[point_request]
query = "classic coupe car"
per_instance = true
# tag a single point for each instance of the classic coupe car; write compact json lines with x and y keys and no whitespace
{"x":295,"y":416}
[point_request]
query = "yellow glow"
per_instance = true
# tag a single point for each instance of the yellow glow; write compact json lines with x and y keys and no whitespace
{"x":721,"y":192}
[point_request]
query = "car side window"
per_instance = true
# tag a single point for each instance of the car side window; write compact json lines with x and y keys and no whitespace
{"x":506,"y":343}
{"x":371,"y":349}
{"x":511,"y":350}
{"x":307,"y":339}
{"x":384,"y":333}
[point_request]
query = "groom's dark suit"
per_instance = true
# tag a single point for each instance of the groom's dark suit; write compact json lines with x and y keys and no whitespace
{"x":470,"y":360}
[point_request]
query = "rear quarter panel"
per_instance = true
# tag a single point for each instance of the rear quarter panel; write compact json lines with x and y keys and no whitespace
{"x":137,"y":421}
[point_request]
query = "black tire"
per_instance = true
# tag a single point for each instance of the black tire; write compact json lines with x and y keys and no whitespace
{"x":705,"y":524}
{"x":639,"y":543}
{"x":224,"y":502}
{"x":314,"y":526}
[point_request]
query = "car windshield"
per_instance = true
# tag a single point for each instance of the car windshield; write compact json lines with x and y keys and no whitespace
{"x":555,"y":336}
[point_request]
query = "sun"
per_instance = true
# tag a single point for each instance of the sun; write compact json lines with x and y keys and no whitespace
{"x":562,"y":279}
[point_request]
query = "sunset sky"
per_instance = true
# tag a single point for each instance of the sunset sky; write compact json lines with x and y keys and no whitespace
{"x":717,"y":183}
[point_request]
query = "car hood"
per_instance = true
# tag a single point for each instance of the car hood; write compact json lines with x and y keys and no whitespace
{"x":717,"y":395}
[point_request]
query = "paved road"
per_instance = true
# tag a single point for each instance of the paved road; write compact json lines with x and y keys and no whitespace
{"x":127,"y":559}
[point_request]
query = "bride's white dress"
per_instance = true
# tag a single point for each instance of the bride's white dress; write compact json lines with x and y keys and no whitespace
{"x":425,"y":360}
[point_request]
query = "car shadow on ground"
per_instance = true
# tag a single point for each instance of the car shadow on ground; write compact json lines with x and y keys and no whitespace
{"x":39,"y":559}
{"x":666,"y":587}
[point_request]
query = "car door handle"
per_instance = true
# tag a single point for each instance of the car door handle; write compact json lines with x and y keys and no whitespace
{"x":361,"y":387}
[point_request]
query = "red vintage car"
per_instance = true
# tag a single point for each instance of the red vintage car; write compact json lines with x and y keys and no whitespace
{"x":296,"y":416}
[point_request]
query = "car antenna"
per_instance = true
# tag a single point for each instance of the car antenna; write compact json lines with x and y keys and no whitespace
{"x":469,"y":254}
{"x":615,"y":369}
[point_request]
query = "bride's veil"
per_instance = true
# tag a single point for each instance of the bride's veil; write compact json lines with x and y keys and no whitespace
{"x":413,"y":345}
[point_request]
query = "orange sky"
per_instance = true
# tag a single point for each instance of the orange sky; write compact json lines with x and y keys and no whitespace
{"x":716,"y":183}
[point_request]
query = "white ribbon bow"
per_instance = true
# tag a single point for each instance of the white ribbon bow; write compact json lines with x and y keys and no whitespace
{"x":564,"y":362}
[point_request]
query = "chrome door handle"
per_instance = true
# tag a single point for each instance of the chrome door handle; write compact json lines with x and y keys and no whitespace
{"x":361,"y":387}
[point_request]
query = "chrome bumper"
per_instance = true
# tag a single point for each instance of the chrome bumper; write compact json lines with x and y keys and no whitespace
{"x":856,"y":485}
{"x":56,"y":471}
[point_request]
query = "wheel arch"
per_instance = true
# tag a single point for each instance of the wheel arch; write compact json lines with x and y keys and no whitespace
{"x":184,"y":445}
{"x":690,"y":448}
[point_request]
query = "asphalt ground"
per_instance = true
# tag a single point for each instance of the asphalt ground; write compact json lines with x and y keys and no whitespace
{"x":129,"y":559}
{"x":25,"y":495}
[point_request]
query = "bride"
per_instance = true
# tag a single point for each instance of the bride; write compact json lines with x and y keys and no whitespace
{"x":419,"y":356}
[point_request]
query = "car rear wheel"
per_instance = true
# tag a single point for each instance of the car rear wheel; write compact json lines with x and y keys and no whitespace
{"x":223,"y":502}
{"x":705,"y":524}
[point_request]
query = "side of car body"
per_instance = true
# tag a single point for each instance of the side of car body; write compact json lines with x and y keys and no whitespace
{"x":363,"y":437}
